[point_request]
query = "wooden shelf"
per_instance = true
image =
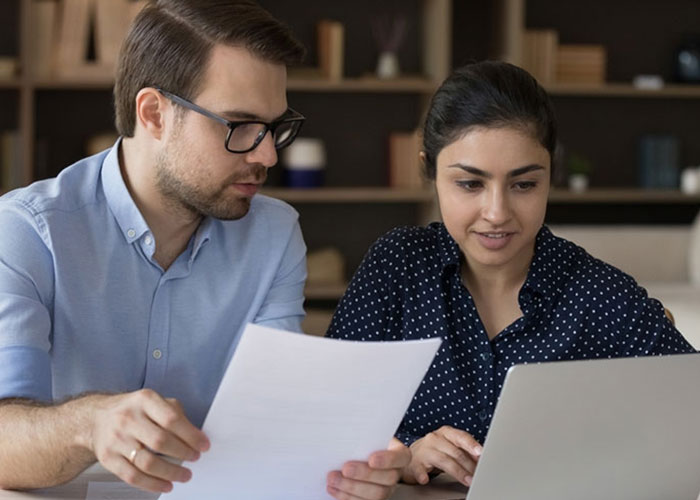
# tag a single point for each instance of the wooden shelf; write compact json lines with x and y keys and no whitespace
{"x":325,"y":292}
{"x":10,"y":83}
{"x":74,"y":84}
{"x":350,"y":195}
{"x":624,"y":196}
{"x":365,"y":84}
{"x":624,"y":90}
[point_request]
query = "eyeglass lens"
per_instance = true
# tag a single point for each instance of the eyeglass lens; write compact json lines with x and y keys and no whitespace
{"x":245,"y":136}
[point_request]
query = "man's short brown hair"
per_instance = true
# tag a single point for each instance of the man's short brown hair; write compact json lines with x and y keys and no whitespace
{"x":170,"y":42}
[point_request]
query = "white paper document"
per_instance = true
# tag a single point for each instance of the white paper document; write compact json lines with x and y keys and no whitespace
{"x":293,"y":407}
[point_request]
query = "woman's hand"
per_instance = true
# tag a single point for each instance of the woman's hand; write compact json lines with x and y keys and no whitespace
{"x":448,"y":450}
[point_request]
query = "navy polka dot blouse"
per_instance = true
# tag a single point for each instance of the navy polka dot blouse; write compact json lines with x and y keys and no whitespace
{"x":574,"y":307}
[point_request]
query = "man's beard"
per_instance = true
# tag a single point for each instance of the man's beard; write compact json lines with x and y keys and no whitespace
{"x":196,"y":200}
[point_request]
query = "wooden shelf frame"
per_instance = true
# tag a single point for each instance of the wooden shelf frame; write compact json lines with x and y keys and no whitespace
{"x":351,"y":195}
{"x":623,"y":196}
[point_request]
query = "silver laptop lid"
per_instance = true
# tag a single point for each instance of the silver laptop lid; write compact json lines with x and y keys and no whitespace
{"x":602,"y":429}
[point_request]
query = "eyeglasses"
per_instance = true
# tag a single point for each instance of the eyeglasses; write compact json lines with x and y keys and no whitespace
{"x":244,"y":136}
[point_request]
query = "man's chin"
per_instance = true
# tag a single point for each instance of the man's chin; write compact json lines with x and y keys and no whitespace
{"x":231,"y":211}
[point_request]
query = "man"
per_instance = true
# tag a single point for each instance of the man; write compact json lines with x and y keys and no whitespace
{"x":127,"y":280}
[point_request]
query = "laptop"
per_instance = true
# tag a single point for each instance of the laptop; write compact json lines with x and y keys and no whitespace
{"x":613,"y":429}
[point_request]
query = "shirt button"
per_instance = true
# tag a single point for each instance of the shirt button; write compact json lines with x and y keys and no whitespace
{"x":483,"y":414}
{"x":131,"y":233}
{"x":485,"y":356}
{"x":148,"y":240}
{"x":157,"y":354}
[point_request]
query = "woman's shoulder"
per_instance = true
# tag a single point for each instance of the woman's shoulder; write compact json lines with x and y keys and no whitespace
{"x":415,"y":241}
{"x":580,"y":268}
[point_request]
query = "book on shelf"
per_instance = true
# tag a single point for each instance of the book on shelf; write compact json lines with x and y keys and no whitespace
{"x":73,"y":35}
{"x":584,"y":64}
{"x":8,"y":67}
{"x":405,"y":170}
{"x":539,"y":54}
{"x":331,"y":47}
{"x":44,"y":18}
{"x":74,"y":21}
{"x":10,"y":160}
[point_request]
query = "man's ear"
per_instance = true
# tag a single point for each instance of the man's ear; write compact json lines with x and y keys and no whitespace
{"x":421,"y":155}
{"x":151,"y":109}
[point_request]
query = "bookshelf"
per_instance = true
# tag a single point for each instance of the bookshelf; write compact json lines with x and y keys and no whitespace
{"x":355,"y":113}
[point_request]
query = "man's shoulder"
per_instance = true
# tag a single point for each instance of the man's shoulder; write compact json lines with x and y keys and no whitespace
{"x":73,"y":188}
{"x":271,"y":212}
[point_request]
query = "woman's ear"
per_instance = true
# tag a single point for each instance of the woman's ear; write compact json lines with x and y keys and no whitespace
{"x":150,"y":111}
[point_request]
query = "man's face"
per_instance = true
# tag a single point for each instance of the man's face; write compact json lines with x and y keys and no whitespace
{"x":193,"y":169}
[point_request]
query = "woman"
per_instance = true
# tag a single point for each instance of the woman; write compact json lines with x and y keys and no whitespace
{"x":491,"y":280}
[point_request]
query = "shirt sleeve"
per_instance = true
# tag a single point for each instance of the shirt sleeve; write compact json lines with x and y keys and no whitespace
{"x":284,"y":304}
{"x":649,"y":331}
{"x":26,"y":291}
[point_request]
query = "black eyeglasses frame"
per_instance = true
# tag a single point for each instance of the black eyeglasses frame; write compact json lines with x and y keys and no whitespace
{"x":289,"y":116}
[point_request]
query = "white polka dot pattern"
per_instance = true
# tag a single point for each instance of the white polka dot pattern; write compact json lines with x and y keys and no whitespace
{"x":574,"y":307}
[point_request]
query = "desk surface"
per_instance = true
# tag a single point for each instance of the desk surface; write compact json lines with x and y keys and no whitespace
{"x":439,"y":489}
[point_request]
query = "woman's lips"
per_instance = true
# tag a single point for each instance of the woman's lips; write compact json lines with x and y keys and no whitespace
{"x":494,"y":240}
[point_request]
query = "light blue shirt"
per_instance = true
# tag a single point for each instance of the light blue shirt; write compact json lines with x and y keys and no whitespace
{"x":85,"y":307}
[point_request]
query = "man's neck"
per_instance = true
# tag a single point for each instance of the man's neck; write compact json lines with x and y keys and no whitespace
{"x":171,"y":224}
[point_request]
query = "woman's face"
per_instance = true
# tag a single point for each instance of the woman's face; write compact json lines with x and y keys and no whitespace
{"x":492,"y":186}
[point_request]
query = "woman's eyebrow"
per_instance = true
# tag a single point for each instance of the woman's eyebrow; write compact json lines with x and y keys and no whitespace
{"x":482,"y":173}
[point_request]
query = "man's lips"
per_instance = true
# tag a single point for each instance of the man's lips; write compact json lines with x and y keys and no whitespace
{"x":247,"y":188}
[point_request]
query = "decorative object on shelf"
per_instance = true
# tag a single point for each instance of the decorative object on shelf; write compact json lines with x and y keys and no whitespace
{"x":331,"y":48}
{"x":389,"y":32}
{"x":581,"y":64}
{"x":539,"y":54}
{"x":579,"y":169}
{"x":99,"y":142}
{"x":8,"y":67}
{"x":687,"y":60}
{"x":325,"y":266}
{"x":404,"y":160}
{"x":304,"y":162}
{"x":648,"y":82}
{"x":690,"y":180}
{"x":659,"y":161}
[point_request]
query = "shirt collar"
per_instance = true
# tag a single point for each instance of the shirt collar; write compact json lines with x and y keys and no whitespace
{"x":450,"y":254}
{"x":127,"y":214}
{"x":119,"y":200}
{"x":544,"y":275}
{"x":547,"y":271}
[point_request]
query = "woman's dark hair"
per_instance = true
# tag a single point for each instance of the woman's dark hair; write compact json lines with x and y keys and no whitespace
{"x":170,"y":41}
{"x":488,"y":94}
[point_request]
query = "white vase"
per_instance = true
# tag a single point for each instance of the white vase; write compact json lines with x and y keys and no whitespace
{"x":578,"y":183}
{"x":387,"y":65}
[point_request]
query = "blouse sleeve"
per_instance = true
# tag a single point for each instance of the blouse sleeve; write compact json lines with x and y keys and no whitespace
{"x":364,"y":312}
{"x":648,"y":330}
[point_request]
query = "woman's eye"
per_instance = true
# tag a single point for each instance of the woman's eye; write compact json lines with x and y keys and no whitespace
{"x":470,"y":185}
{"x":524,"y":185}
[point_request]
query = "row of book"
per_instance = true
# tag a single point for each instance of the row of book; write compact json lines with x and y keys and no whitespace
{"x":64,"y":30}
{"x":551,"y":62}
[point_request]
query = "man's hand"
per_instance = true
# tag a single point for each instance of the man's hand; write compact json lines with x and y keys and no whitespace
{"x":447,"y":449}
{"x":131,"y":430}
{"x":371,"y":480}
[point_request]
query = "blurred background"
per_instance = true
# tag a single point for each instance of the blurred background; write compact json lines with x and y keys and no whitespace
{"x":624,"y":76}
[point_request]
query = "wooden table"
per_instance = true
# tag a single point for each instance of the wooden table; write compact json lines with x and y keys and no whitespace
{"x":439,"y":489}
